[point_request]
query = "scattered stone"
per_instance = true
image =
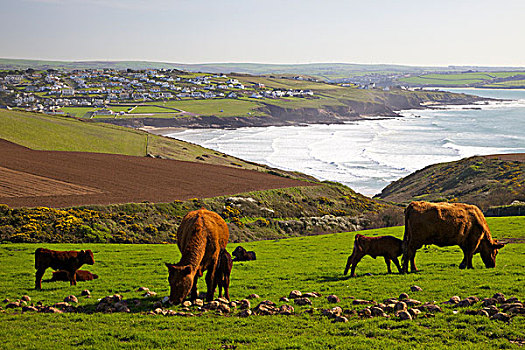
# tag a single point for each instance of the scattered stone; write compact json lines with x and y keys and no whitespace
{"x":415,"y":288}
{"x":361,"y":302}
{"x":500,"y":316}
{"x":377,"y":311}
{"x":482,"y":312}
{"x":411,"y":302}
{"x":143,"y":289}
{"x":26,"y":298}
{"x":500,"y":297}
{"x":489,"y":301}
{"x":224,"y":308}
{"x":332,"y":313}
{"x":311,"y":295}
{"x":465,"y":303}
{"x":473,"y":299}
{"x":253,"y":296}
{"x":340,"y":319}
{"x":491,"y":310}
{"x":286,"y":309}
{"x":149,"y":294}
{"x":332,"y":298}
{"x":512,"y":300}
{"x":414,"y":312}
{"x":187,"y":303}
{"x":517,"y":310}
{"x":390,"y":301}
{"x":62,"y":305}
{"x":71,"y":299}
{"x":233,"y":304}
{"x":29,"y":308}
{"x":245,"y":304}
{"x":121,"y":306}
{"x":400,"y":306}
{"x":366,"y":312}
{"x":295,"y":294}
{"x":85,"y":292}
{"x":404,"y":315}
{"x":453,"y":300}
{"x":265,"y":309}
{"x":157,"y":304}
{"x":12,"y":305}
{"x":428,"y":307}
{"x":403,"y":296}
{"x":198,"y":302}
{"x":6,"y":300}
{"x":284,"y":299}
{"x":245,"y":313}
{"x":53,"y":310}
{"x":507,"y":306}
{"x":350,"y":312}
{"x":212,"y":305}
{"x":389,"y":308}
{"x":185,"y":309}
{"x":159,"y":311}
{"x":223,"y":300}
{"x":302,"y":301}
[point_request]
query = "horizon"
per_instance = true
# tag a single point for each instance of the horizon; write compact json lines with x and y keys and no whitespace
{"x":407,"y":33}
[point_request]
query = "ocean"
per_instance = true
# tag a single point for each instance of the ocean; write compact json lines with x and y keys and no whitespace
{"x":367,"y":155}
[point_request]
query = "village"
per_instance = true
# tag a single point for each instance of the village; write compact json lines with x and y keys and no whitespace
{"x":51,"y":90}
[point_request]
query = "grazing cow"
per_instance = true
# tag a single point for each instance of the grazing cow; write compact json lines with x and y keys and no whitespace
{"x":81,"y":275}
{"x":242,"y":254}
{"x":447,"y":224}
{"x":222,"y":273}
{"x":388,"y":247}
{"x":70,"y":261}
{"x":200,"y":237}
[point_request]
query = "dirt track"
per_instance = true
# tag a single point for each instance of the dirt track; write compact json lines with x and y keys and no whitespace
{"x":60,"y":179}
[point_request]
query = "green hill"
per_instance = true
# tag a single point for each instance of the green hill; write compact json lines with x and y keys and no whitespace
{"x":484,"y":181}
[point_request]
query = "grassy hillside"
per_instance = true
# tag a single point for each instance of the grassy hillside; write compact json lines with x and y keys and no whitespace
{"x":270,"y":214}
{"x":308,"y":264}
{"x":55,"y":133}
{"x":511,"y":79}
{"x":477,"y":180}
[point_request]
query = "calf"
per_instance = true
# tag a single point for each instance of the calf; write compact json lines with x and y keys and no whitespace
{"x":69,"y":261}
{"x":386,"y":246}
{"x":81,"y":275}
{"x":242,"y":254}
{"x":222,"y":273}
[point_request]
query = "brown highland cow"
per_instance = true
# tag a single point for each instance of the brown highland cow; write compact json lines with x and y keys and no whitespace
{"x":80,"y":275}
{"x":388,"y":247}
{"x":446,"y":224}
{"x":200,"y":237}
{"x":70,"y":261}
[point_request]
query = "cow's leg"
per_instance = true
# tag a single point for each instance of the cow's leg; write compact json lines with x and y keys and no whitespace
{"x":409,"y":256}
{"x":227,"y":287}
{"x":210,"y":281}
{"x":356,"y":260}
{"x":467,"y":259}
{"x":396,"y":262}
{"x":348,"y":263}
{"x":193,"y":294}
{"x":72,"y":276}
{"x":387,"y":261}
{"x":38,"y":277}
{"x":413,"y":267}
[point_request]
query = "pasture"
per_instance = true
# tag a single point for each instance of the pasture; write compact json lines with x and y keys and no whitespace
{"x":309,"y":264}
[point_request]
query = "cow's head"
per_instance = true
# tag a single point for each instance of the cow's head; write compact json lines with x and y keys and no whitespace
{"x":86,"y":256}
{"x":181,"y":281}
{"x":239,"y":251}
{"x":488,"y":251}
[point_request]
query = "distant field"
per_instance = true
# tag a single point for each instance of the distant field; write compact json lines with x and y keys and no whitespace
{"x":308,"y":264}
{"x":217,"y":107}
{"x":469,"y":78}
{"x":42,"y":132}
{"x":152,"y":109}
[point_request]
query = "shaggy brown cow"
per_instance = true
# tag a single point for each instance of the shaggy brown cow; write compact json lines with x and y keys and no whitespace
{"x":242,"y":254}
{"x":70,"y":261}
{"x":388,"y":247}
{"x":80,"y":275}
{"x":446,"y":224}
{"x":200,"y":237}
{"x":222,"y":273}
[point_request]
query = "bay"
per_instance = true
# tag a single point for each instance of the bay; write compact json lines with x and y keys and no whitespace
{"x":367,"y":155}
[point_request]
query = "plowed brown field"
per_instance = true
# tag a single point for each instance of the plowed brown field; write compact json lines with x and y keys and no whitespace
{"x":60,"y":179}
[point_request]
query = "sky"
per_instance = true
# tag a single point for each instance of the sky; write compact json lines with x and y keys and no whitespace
{"x":410,"y":32}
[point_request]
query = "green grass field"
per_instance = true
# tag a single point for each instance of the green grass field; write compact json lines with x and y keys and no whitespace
{"x":308,"y":264}
{"x":42,"y":132}
{"x":229,"y":107}
{"x":467,"y":78}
